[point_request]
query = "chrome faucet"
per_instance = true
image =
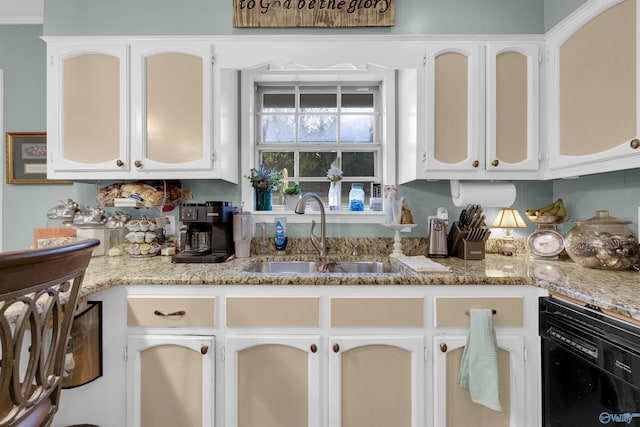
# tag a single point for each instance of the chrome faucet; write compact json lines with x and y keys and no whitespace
{"x":320,"y":245}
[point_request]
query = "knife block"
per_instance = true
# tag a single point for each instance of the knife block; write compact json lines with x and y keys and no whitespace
{"x":460,"y":247}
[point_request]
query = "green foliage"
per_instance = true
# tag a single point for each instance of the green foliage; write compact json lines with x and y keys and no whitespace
{"x":292,"y":188}
{"x":265,"y":179}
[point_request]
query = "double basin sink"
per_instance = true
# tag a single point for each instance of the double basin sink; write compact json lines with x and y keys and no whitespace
{"x":347,"y":267}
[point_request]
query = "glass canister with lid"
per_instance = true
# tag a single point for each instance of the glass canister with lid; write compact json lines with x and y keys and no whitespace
{"x":356,"y":198}
{"x":603,"y":242}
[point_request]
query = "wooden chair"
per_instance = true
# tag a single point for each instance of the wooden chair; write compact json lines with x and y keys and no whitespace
{"x":38,"y":295}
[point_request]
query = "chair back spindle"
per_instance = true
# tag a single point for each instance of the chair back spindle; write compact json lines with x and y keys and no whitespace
{"x":39,"y":290}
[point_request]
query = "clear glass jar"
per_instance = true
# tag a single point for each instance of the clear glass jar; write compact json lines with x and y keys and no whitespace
{"x":603,"y":242}
{"x":356,"y":198}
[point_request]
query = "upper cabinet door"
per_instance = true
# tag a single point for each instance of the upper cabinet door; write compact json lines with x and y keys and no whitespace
{"x":454,"y":96}
{"x":512,"y":107}
{"x":87,"y":109}
{"x":594,"y":91}
{"x":172,"y":107}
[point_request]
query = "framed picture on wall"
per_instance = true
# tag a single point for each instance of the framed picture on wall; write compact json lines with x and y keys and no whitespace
{"x":27,"y":158}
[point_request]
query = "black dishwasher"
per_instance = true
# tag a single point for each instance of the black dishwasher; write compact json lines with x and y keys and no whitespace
{"x":590,"y":367}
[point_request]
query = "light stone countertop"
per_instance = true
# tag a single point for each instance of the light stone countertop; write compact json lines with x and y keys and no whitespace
{"x":615,"y":291}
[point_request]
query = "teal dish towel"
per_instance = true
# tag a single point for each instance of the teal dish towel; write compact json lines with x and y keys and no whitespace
{"x":479,"y":365}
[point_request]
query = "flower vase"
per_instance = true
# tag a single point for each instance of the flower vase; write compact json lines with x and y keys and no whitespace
{"x":335,"y":195}
{"x":263,"y":200}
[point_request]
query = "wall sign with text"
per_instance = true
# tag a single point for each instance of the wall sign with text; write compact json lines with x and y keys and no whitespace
{"x":313,"y":13}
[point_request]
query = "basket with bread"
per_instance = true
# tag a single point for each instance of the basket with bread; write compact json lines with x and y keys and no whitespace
{"x":145,"y":194}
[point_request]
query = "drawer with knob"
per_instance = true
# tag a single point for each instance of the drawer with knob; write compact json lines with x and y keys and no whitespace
{"x":170,"y":311}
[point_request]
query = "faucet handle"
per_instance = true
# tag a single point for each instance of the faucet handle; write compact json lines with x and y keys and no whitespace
{"x":355,"y":250}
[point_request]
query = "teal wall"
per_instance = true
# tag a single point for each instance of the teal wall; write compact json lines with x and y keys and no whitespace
{"x":556,"y":10}
{"x":617,"y":192}
{"x":22,"y":57}
{"x":129,"y":17}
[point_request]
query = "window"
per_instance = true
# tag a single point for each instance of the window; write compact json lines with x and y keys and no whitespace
{"x":303,"y":122}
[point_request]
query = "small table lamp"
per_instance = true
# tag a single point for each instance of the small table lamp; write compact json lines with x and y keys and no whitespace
{"x":508,"y":218}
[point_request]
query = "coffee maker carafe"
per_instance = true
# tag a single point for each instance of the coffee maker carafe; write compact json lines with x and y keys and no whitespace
{"x":207,"y":232}
{"x":196,"y":240}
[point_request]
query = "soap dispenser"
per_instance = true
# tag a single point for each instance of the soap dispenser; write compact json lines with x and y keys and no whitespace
{"x":281,"y":235}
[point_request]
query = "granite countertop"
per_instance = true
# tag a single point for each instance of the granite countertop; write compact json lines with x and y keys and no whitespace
{"x":615,"y":291}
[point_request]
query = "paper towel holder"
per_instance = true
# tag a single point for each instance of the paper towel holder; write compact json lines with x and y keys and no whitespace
{"x":505,"y":199}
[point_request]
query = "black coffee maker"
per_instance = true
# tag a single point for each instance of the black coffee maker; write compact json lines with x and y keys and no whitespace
{"x":206,"y":234}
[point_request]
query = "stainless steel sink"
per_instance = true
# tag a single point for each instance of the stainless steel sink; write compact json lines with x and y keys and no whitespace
{"x":362,"y":267}
{"x":355,"y":267}
{"x":282,"y":267}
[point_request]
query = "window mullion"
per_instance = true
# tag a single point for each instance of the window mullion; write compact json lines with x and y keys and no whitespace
{"x":302,"y":158}
{"x":339,"y":104}
{"x":297,"y":114}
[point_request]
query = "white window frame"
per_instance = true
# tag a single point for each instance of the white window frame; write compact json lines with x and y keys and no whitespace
{"x":342,"y":74}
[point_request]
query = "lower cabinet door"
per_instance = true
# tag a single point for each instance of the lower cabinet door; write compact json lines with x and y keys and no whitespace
{"x":453,"y":406}
{"x":272,"y":381}
{"x":171,"y":379}
{"x":376,"y":381}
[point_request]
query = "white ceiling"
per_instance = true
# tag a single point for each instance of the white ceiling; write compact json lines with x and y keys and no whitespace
{"x":21,"y":11}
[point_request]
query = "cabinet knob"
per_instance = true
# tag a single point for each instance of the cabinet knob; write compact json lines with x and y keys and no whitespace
{"x":476,"y":163}
{"x":635,"y":143}
{"x":336,"y":348}
{"x":495,"y":162}
{"x":119,"y":163}
{"x":314,"y":348}
{"x":138,"y":164}
{"x":443,"y":347}
{"x":204,"y":349}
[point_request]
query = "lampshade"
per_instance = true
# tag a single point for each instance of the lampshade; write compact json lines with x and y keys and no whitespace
{"x":509,"y":218}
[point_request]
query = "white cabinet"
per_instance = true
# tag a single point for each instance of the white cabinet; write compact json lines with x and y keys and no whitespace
{"x":515,"y":325}
{"x":319,"y":356}
{"x":170,"y":376}
{"x":87,"y":109}
{"x":376,"y":381}
{"x":272,"y":381}
{"x":593,"y":90}
{"x":477,"y":110}
{"x":171,"y":100}
{"x":454,"y":109}
{"x":512,"y":107}
{"x":272,"y":374}
{"x":280,"y":379}
{"x":276,"y":380}
{"x":171,"y":380}
{"x":453,"y":406}
{"x":139,"y":110}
